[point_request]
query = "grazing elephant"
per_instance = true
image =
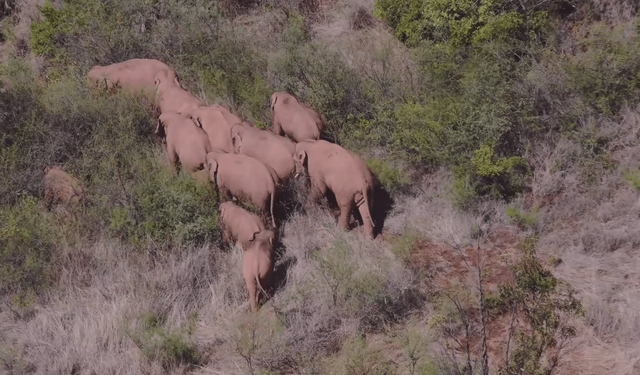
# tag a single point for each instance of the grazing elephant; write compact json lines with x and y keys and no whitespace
{"x":60,"y":187}
{"x":294,"y":118}
{"x":257,"y":265}
{"x":216,"y":121}
{"x":273,"y":150}
{"x":331,"y":167}
{"x":186,"y":142}
{"x":132,"y":75}
{"x":171,"y":97}
{"x":239,"y":224}
{"x":244,"y":178}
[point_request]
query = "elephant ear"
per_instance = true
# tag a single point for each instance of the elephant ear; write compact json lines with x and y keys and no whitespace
{"x":274,"y":99}
{"x":302,"y":157}
{"x":253,"y":236}
{"x":176,"y":80}
{"x":47,"y":169}
{"x":236,"y":142}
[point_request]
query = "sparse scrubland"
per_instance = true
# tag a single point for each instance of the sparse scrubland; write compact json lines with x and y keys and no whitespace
{"x":505,"y":136}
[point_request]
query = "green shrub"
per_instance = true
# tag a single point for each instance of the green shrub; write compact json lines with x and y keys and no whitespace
{"x":158,"y":344}
{"x":403,"y":246}
{"x":462,"y":22}
{"x":632,"y":177}
{"x":606,"y":75}
{"x":523,"y":219}
{"x":542,"y":300}
{"x":392,"y":177}
{"x":29,"y":240}
{"x":358,"y":357}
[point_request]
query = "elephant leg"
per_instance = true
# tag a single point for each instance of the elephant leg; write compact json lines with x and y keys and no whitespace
{"x":345,"y":213}
{"x":252,"y":290}
{"x":365,"y":212}
{"x":172,"y":156}
{"x":248,"y":266}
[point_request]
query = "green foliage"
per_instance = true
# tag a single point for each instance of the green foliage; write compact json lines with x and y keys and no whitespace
{"x":462,"y":22}
{"x":523,"y":219}
{"x":403,"y":246}
{"x":544,"y":301}
{"x":28,"y":250}
{"x":606,"y":74}
{"x":632,"y":177}
{"x":391,"y":177}
{"x":358,"y":357}
{"x":486,"y":165}
{"x":158,"y":344}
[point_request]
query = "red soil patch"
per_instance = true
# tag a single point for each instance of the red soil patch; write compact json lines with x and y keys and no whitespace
{"x":449,"y":267}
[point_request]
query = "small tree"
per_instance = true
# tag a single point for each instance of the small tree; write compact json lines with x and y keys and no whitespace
{"x":544,"y":304}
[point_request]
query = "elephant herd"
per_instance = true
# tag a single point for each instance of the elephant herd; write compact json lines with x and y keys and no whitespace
{"x":246,"y":164}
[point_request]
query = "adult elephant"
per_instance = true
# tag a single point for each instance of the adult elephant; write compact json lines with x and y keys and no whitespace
{"x":331,"y":167}
{"x":273,"y":150}
{"x":293,"y":118}
{"x":171,"y":97}
{"x":216,"y":121}
{"x":244,"y":178}
{"x":257,"y":265}
{"x":132,"y":75}
{"x":186,"y":142}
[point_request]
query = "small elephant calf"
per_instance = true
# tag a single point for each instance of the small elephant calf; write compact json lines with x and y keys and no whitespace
{"x":257,"y":265}
{"x":60,"y":187}
{"x":238,"y":224}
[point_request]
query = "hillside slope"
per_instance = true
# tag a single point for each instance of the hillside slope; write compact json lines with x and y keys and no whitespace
{"x":505,"y":136}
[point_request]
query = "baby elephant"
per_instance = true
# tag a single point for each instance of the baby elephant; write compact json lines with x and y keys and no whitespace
{"x":60,"y":187}
{"x":257,"y":265}
{"x":244,"y":178}
{"x":238,"y":224}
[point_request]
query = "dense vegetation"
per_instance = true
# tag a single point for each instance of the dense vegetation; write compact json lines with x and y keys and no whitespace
{"x":472,"y":87}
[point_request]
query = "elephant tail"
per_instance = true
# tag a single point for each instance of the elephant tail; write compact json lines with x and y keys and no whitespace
{"x":260,"y":287}
{"x":366,"y":202}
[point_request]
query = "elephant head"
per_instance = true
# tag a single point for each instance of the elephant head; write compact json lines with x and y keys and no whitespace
{"x":162,"y":81}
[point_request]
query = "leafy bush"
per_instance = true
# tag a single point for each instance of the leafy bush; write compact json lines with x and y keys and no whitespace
{"x":463,"y":22}
{"x":168,"y":348}
{"x":523,"y":219}
{"x":632,"y":177}
{"x":29,"y":240}
{"x":543,"y":300}
{"x":606,"y":75}
{"x":392,"y":177}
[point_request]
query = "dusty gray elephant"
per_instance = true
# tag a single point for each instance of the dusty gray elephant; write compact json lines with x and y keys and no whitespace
{"x":295,"y":119}
{"x":171,"y":97}
{"x":239,"y":224}
{"x":186,"y":142}
{"x":61,"y":187}
{"x":216,"y":120}
{"x":132,"y":75}
{"x":273,"y":150}
{"x":244,"y":178}
{"x":257,"y":265}
{"x":331,"y":167}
